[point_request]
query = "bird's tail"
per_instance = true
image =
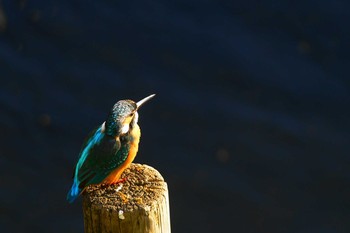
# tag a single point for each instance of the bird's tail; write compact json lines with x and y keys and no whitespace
{"x":74,"y":192}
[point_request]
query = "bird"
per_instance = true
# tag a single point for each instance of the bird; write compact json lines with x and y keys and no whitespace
{"x":109,"y":149}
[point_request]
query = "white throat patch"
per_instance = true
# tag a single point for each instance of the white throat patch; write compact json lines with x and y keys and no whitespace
{"x":125,"y":129}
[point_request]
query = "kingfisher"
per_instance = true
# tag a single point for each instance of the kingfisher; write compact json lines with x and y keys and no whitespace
{"x":109,"y":149}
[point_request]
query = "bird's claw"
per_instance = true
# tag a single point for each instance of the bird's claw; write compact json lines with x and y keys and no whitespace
{"x":120,"y":180}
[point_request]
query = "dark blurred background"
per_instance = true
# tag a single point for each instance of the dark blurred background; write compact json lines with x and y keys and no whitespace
{"x":250,"y":125}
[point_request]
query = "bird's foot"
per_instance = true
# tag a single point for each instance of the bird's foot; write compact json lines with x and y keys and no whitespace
{"x":120,"y":180}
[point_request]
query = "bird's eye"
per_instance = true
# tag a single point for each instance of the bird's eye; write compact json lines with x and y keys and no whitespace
{"x":131,"y":114}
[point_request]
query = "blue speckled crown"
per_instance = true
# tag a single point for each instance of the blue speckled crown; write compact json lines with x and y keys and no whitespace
{"x":119,"y":112}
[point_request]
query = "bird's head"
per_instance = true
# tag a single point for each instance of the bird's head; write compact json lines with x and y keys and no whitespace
{"x":124,"y":116}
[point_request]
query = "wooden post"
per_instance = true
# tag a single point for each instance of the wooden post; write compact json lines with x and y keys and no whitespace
{"x":138,"y":205}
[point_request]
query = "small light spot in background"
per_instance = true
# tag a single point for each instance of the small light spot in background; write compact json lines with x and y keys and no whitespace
{"x":44,"y":120}
{"x":22,"y":4}
{"x":19,"y":47}
{"x":35,"y":16}
{"x":3,"y":19}
{"x":222,"y":155}
{"x":304,"y":47}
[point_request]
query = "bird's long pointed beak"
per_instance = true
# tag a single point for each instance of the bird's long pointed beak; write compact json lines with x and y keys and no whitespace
{"x":144,"y":100}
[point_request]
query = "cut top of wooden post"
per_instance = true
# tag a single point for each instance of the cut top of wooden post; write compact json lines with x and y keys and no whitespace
{"x":139,"y":204}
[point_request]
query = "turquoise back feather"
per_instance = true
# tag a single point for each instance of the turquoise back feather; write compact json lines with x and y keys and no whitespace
{"x":100,"y":155}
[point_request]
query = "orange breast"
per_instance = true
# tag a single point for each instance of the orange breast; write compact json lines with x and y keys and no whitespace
{"x":115,"y":175}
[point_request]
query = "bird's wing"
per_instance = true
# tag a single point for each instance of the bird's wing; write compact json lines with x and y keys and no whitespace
{"x":100,"y":155}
